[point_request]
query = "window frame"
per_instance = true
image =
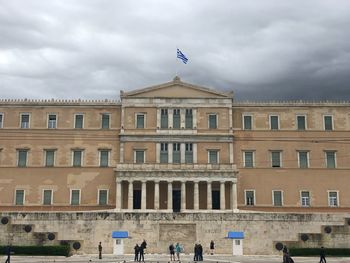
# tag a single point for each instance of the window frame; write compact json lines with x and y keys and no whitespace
{"x":217,"y":156}
{"x":278,"y":122}
{"x":187,"y":118}
{"x":18,"y":157}
{"x":273,"y":198}
{"x":177,"y":151}
{"x":335,"y":159}
{"x":164,"y":125}
{"x":215,"y":115}
{"x":98,"y":196}
{"x":297,"y":123}
{"x":109,"y":120}
{"x":43,"y":197}
{"x":71,"y":196}
{"x":280,"y":158}
{"x":100,"y":157}
{"x":253,"y":158}
{"x":177,"y":110}
{"x":301,"y":198}
{"x":144,"y":120}
{"x":307,"y":159}
{"x":21,"y":122}
{"x":75,"y":120}
{"x":48,"y":120}
{"x":45,"y":157}
{"x":245,"y":197}
{"x":81,"y":157}
{"x":164,"y":145}
{"x":324,"y":122}
{"x":2,"y":120}
{"x":24,"y":197}
{"x":243,"y":121}
{"x":337,"y":198}
{"x":187,"y":153}
{"x":135,"y":155}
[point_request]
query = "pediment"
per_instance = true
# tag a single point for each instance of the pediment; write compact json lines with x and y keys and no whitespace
{"x":176,"y":89}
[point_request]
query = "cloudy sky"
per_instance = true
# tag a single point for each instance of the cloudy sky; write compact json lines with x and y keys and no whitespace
{"x":261,"y":49}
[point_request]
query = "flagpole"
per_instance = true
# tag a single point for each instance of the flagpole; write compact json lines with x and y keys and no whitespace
{"x":177,"y":64}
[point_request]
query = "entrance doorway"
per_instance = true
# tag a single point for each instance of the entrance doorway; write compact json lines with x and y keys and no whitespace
{"x":118,"y":247}
{"x":237,"y":249}
{"x":176,"y":201}
{"x":215,"y":197}
{"x":137,"y":199}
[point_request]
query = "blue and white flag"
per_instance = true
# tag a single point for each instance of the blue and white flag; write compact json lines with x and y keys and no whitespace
{"x":181,"y":56}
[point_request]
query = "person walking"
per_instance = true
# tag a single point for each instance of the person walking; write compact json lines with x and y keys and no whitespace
{"x":141,"y":253}
{"x":178,"y":250}
{"x":100,"y":250}
{"x":212,"y":246}
{"x":195,"y":250}
{"x":172,"y":252}
{"x":322,"y":255}
{"x":8,"y":253}
{"x":200,"y":252}
{"x":136,"y":250}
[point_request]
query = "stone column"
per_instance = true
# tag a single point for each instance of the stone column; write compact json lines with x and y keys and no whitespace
{"x":143,"y":196}
{"x":183,"y":195}
{"x":170,"y":118}
{"x":156,"y":195}
{"x":222,"y":195}
{"x":182,"y":152}
{"x":194,"y":114}
{"x":118,"y":198}
{"x":196,"y":195}
{"x":131,"y":195}
{"x":157,"y":152}
{"x":209,"y":201}
{"x":170,"y":196}
{"x":170,"y":152}
{"x":234,"y":196}
{"x":194,"y":145}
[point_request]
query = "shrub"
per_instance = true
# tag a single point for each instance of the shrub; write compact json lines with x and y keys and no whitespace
{"x":337,"y":252}
{"x":38,"y":250}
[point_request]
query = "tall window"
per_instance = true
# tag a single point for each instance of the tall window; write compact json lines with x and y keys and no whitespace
{"x":176,"y":118}
{"x":276,"y":159}
{"x":188,"y":153}
{"x":102,"y":197}
{"x":164,"y":118}
{"x":25,"y":120}
{"x":49,"y":158}
{"x":164,"y":153}
{"x":75,"y":196}
{"x":19,"y":198}
{"x":301,"y":122}
{"x":247,"y":122}
{"x":22,"y":158}
{"x":1,"y":120}
{"x":330,"y":159}
{"x":139,"y":156}
{"x":176,"y":153}
{"x":77,"y":158}
{"x":249,"y":197}
{"x":213,"y":156}
{"x":47,"y":197}
{"x":52,"y":121}
{"x":303,"y":157}
{"x":274,"y":122}
{"x":140,"y":120}
{"x":277,"y":198}
{"x":333,"y":198}
{"x":79,"y":121}
{"x":104,"y":158}
{"x":305,"y":198}
{"x":328,"y":123}
{"x":105,"y":121}
{"x":212,"y":121}
{"x":188,"y":119}
{"x":248,"y":159}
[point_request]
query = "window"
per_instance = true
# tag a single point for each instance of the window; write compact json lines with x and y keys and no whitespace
{"x":105,"y":121}
{"x":139,"y":156}
{"x":276,"y":159}
{"x":104,"y":158}
{"x":19,"y":198}
{"x":176,"y":118}
{"x":212,"y":119}
{"x":47,"y":197}
{"x":274,"y":122}
{"x":164,"y":153}
{"x":330,"y":159}
{"x":305,"y":198}
{"x":249,"y":197}
{"x":188,"y":119}
{"x":75,"y":197}
{"x":25,"y":121}
{"x":1,"y":120}
{"x":333,"y":198}
{"x":176,"y":153}
{"x":164,"y":118}
{"x":188,"y":153}
{"x":328,"y":123}
{"x":140,"y":120}
{"x":301,"y":122}
{"x":77,"y":158}
{"x":79,"y":121}
{"x":213,"y":156}
{"x":247,"y":122}
{"x":103,"y":197}
{"x":49,"y":158}
{"x":52,"y":121}
{"x":248,"y":159}
{"x":303,"y":157}
{"x":277,"y":198}
{"x":22,"y":158}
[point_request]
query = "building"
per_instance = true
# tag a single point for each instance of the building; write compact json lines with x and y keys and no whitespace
{"x":174,"y":147}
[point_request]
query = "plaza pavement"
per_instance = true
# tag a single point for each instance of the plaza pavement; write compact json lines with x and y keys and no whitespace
{"x":153,"y":258}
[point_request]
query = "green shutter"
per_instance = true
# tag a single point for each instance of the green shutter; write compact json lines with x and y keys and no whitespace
{"x":19,"y":197}
{"x":140,"y":121}
{"x":330,"y":159}
{"x":103,"y":197}
{"x":22,"y":158}
{"x":247,"y":122}
{"x":104,"y":158}
{"x":276,"y":159}
{"x":212,"y":121}
{"x":47,"y":197}
{"x":79,"y":121}
{"x":105,"y":121}
{"x":75,"y":197}
{"x":248,"y":159}
{"x":301,"y":123}
{"x":50,"y":158}
{"x":77,"y":158}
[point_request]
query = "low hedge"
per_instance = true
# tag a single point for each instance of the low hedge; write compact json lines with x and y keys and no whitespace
{"x":38,"y":250}
{"x":335,"y":252}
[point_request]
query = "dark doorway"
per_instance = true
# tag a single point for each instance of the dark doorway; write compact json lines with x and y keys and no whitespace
{"x":176,"y":200}
{"x":137,"y":199}
{"x":215,"y":197}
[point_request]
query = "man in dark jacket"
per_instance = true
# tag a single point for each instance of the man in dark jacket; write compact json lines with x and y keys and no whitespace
{"x":141,"y":254}
{"x":136,"y":249}
{"x":322,"y":255}
{"x":8,"y":253}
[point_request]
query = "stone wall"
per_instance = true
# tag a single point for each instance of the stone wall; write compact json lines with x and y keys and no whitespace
{"x":261,"y":230}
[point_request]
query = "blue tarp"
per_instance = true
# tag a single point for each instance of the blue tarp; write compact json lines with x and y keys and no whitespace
{"x":120,"y":234}
{"x":235,"y":235}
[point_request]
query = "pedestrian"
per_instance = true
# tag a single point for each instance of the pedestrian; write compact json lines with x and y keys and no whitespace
{"x":212,"y":246}
{"x":136,"y":249}
{"x":172,"y":252}
{"x":195,"y":257}
{"x":144,"y":245}
{"x":100,"y":250}
{"x":8,"y":253}
{"x":200,"y":252}
{"x":285,"y":254}
{"x":141,"y":253}
{"x":178,"y":250}
{"x":322,"y":255}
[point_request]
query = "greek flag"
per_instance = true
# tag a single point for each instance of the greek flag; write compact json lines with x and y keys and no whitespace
{"x":181,"y":56}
